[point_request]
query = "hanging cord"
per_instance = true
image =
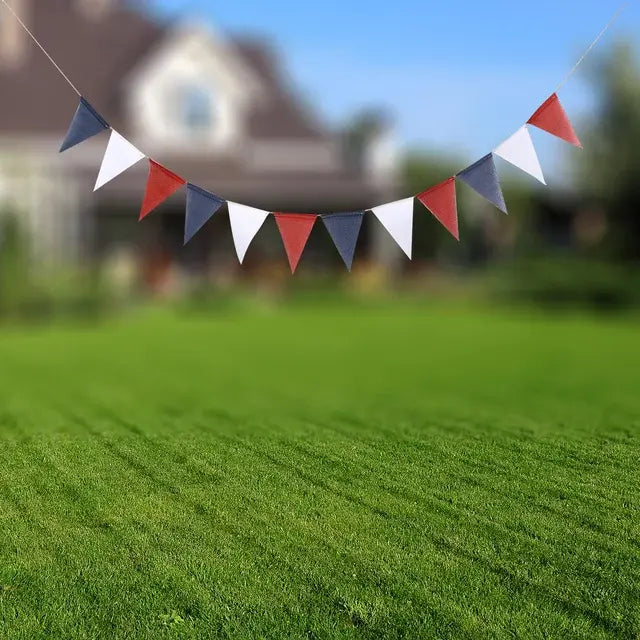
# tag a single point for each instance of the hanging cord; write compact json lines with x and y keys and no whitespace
{"x":53,"y":62}
{"x":591,"y":46}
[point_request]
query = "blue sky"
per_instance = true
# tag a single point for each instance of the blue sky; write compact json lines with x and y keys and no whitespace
{"x":455,"y":75}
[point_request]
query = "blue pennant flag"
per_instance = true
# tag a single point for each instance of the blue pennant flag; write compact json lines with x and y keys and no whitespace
{"x":86,"y":123}
{"x":344,"y":229}
{"x":201,"y":206}
{"x":482,"y":176}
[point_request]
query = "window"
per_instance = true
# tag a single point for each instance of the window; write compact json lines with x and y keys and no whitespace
{"x":196,"y":109}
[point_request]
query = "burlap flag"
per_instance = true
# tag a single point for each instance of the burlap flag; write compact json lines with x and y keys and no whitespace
{"x":551,"y":117}
{"x":201,"y":206}
{"x":295,"y":229}
{"x":161,"y":184}
{"x":86,"y":123}
{"x":441,"y":201}
{"x":482,"y":176}
{"x":245,"y":224}
{"x":520,"y":152}
{"x":397,"y":219}
{"x":119,"y":156}
{"x":344,"y":229}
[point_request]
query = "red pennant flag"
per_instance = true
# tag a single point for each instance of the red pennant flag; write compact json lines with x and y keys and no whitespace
{"x":161,"y":184}
{"x":552,"y":118}
{"x":441,"y":201}
{"x":295,"y":229}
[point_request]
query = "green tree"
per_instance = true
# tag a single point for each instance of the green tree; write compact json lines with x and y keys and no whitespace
{"x":609,"y":174}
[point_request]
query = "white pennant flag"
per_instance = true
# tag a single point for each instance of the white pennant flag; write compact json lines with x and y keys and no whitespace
{"x":397,"y":218}
{"x":520,"y":152}
{"x":245,"y":224}
{"x":119,"y":156}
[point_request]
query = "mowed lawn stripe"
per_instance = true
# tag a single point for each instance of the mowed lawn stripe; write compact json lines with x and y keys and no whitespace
{"x":413,"y":472}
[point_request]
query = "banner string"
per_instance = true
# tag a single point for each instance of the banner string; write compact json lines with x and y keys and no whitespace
{"x":53,"y":62}
{"x":591,"y":46}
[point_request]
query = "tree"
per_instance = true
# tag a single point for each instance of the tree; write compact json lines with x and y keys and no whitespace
{"x":609,"y":174}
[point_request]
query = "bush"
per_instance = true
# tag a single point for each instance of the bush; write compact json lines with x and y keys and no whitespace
{"x":570,"y":283}
{"x":29,"y":294}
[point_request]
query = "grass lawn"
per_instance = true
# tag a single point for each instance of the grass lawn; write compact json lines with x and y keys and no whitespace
{"x":321,"y":472}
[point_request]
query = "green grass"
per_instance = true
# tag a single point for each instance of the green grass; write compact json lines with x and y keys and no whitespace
{"x":321,"y":472}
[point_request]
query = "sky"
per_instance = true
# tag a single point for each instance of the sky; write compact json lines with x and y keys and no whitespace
{"x":455,"y":76}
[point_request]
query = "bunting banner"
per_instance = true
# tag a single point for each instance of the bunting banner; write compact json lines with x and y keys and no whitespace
{"x":396,"y":217}
{"x":343,"y":228}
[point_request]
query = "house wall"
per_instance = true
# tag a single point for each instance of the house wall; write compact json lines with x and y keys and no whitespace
{"x":287,"y":155}
{"x":191,"y":60}
{"x":195,"y":58}
{"x":46,"y":200}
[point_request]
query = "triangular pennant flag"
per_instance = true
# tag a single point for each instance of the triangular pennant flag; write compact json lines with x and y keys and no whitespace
{"x":201,"y":206}
{"x":551,"y":117}
{"x":520,"y":152}
{"x":119,"y":156}
{"x":441,"y":201}
{"x":295,"y":229}
{"x":344,"y":229}
{"x":245,"y":224}
{"x":397,"y":218}
{"x":161,"y":184}
{"x":86,"y":123}
{"x":482,"y":176}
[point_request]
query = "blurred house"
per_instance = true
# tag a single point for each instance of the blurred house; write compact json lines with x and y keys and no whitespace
{"x":218,"y":111}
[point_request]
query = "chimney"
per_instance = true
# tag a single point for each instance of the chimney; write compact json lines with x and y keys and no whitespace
{"x":14,"y":44}
{"x":94,"y":9}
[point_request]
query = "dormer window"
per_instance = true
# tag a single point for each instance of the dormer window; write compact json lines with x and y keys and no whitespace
{"x":196,"y":109}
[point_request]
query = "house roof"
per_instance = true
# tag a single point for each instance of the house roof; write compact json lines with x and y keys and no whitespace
{"x":98,"y":53}
{"x":284,"y":115}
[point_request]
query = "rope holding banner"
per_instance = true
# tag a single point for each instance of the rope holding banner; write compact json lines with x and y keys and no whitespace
{"x":53,"y":62}
{"x":591,"y":46}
